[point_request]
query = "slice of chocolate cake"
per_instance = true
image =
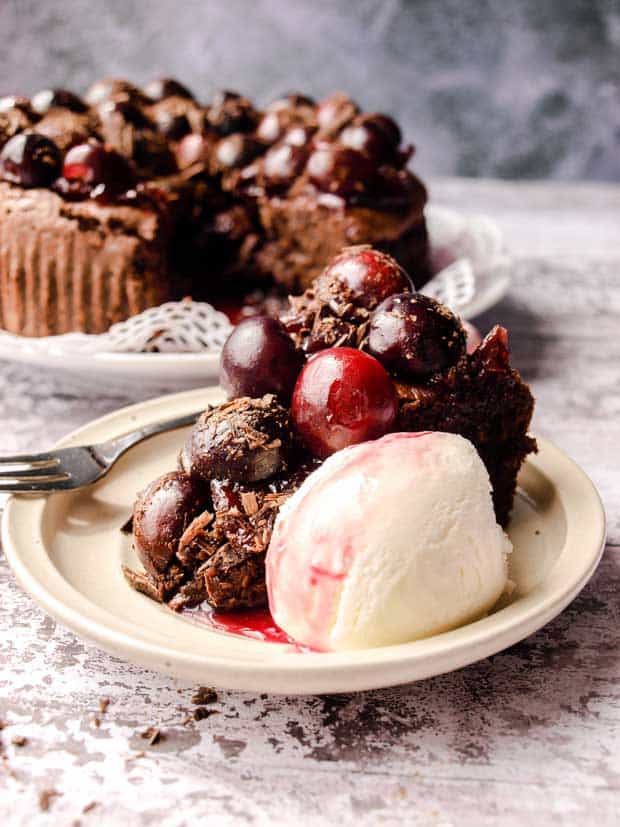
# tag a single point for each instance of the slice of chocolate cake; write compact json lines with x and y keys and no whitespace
{"x":381,"y":359}
{"x":178,"y":198}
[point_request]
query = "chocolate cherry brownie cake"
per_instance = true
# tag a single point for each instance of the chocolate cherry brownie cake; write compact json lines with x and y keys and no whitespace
{"x":358,"y":355}
{"x":129,"y":197}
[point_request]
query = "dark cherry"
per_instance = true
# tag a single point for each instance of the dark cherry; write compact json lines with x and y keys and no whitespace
{"x":283,"y":163}
{"x":223,"y":96}
{"x":161,"y":514}
{"x":47,"y":99}
{"x":108,"y":88}
{"x":30,"y":160}
{"x":343,"y":396}
{"x":372,"y":142}
{"x":270,"y":127}
{"x":340,"y":170}
{"x":237,"y":150}
{"x":192,"y":149}
{"x":336,"y":111}
{"x":299,"y":135}
{"x":98,"y":170}
{"x":129,"y":111}
{"x":384,"y":124}
{"x":259,"y":357}
{"x":292,"y":100}
{"x":9,"y":102}
{"x":368,"y":276}
{"x":174,"y":127}
{"x":414,"y":335}
{"x":162,"y":88}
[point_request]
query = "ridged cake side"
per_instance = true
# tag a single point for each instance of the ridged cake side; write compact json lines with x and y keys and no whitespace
{"x":76,"y":265}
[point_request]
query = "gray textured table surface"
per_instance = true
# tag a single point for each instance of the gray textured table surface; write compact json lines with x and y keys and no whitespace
{"x":530,"y":734}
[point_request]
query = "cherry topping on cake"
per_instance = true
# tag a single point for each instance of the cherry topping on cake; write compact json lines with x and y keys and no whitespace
{"x":335,"y":111}
{"x":340,"y":170}
{"x":237,"y":151}
{"x":283,"y":163}
{"x":259,"y":357}
{"x":368,"y":139}
{"x":161,"y":514}
{"x":162,"y":88}
{"x":343,"y":396}
{"x":173,"y":126}
{"x":127,"y":110}
{"x":414,"y":335}
{"x":47,"y":99}
{"x":107,"y":88}
{"x":244,"y":440}
{"x":30,"y":160}
{"x":192,"y":149}
{"x":367,"y":276}
{"x":299,"y":135}
{"x":384,"y":124}
{"x":98,"y":171}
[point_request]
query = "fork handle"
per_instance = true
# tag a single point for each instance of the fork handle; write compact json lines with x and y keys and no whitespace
{"x":111,"y":450}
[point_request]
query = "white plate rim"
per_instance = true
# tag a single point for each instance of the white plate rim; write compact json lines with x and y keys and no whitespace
{"x":287,"y":673}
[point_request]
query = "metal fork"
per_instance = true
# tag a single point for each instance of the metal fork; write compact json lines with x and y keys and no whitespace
{"x":69,"y":468}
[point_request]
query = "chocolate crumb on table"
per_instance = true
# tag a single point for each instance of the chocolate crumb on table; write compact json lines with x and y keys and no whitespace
{"x":153,"y":735}
{"x":46,"y":797}
{"x":19,"y":740}
{"x":204,"y":695}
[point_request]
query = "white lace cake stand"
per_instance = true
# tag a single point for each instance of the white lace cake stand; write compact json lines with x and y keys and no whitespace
{"x":468,"y":257}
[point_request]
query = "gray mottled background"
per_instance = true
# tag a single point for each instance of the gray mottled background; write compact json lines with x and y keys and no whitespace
{"x":517,"y":88}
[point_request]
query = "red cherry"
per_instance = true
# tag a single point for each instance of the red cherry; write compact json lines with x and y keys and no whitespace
{"x":341,"y":170}
{"x":342,"y":397}
{"x":369,"y":275}
{"x":105,"y":172}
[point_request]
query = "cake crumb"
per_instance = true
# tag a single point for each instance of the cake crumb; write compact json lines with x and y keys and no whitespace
{"x":19,"y":740}
{"x":204,"y":695}
{"x":45,"y":798}
{"x":152,"y":735}
{"x":89,"y":807}
{"x":104,"y":703}
{"x":201,"y":712}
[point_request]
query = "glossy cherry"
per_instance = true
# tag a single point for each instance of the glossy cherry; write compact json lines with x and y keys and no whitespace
{"x":99,"y":169}
{"x":283,"y":163}
{"x":30,"y":160}
{"x":173,"y":126}
{"x":259,"y":357}
{"x":340,"y":170}
{"x":47,"y":99}
{"x":162,"y":88}
{"x":372,"y":142}
{"x":162,"y":513}
{"x":342,"y":397}
{"x":368,"y":275}
{"x":384,"y":124}
{"x":415,"y":336}
{"x":129,"y":111}
{"x":237,"y":150}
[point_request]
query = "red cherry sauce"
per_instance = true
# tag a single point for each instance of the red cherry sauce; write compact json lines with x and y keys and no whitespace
{"x":257,"y":624}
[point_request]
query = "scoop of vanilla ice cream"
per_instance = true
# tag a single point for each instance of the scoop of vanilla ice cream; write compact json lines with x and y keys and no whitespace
{"x":388,"y":541}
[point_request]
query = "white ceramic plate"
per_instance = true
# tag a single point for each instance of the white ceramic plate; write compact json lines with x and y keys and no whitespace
{"x":476,"y":283}
{"x":66,"y":550}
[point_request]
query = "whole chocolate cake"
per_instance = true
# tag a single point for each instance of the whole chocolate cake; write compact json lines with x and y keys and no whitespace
{"x":129,"y":197}
{"x":358,"y":355}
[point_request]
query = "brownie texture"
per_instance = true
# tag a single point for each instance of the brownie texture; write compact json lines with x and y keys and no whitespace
{"x":254,"y":199}
{"x":77,"y":265}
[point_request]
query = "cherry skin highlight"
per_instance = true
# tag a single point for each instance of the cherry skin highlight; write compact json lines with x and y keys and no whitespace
{"x":342,"y":397}
{"x":259,"y":357}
